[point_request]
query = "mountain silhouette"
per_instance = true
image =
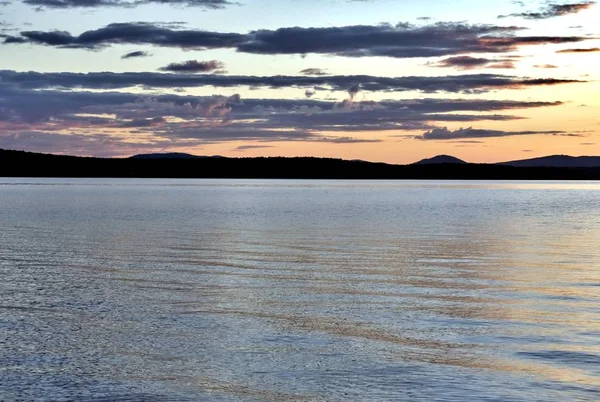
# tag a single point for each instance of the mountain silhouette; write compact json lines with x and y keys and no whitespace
{"x":29,"y":164}
{"x":172,"y":155}
{"x":169,"y":155}
{"x":563,"y":161}
{"x":440,"y":159}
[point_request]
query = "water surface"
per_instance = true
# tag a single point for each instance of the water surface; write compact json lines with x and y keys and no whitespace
{"x":284,"y":290}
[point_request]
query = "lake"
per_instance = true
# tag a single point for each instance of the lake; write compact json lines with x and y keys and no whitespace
{"x":291,"y":290}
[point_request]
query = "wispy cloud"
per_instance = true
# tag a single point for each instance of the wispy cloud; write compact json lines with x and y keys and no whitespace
{"x":553,"y":10}
{"x":446,"y":134}
{"x":250,"y":147}
{"x":588,"y":50}
{"x":313,"y":71}
{"x":210,"y":4}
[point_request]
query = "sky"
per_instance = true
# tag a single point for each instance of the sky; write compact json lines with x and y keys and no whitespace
{"x":380,"y":80}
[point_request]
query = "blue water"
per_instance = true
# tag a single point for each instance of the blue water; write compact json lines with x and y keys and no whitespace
{"x":231,"y":290}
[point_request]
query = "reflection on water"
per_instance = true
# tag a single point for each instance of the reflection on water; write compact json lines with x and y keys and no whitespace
{"x":299,"y":290}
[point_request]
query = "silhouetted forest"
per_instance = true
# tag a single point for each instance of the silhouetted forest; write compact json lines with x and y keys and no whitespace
{"x":27,"y":164}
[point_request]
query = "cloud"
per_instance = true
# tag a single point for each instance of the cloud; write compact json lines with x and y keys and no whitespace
{"x":353,"y":91}
{"x":173,"y":120}
{"x":30,"y":106}
{"x":463,"y":62}
{"x":194,"y":66}
{"x":545,"y":66}
{"x":589,"y":50}
{"x":137,"y":33}
{"x":445,"y":134}
{"x":277,"y":113}
{"x":149,"y":122}
{"x":99,"y":145}
{"x":468,"y":83}
{"x":137,"y":53}
{"x":553,"y":10}
{"x":399,"y":41}
{"x":9,"y":40}
{"x":313,"y":71}
{"x":248,"y":147}
{"x":240,"y":131}
{"x":469,"y":63}
{"x":210,"y":4}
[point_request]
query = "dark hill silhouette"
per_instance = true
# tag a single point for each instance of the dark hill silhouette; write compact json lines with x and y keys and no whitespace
{"x":170,"y":155}
{"x":27,"y":164}
{"x":440,"y":159}
{"x":563,"y":161}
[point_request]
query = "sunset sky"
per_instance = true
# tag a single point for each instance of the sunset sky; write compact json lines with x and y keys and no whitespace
{"x":379,"y":80}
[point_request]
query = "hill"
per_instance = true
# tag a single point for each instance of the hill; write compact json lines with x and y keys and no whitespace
{"x":170,"y":155}
{"x":439,"y":160}
{"x":27,"y":164}
{"x":563,"y":161}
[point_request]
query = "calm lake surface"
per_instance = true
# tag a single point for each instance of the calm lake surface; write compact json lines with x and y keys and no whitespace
{"x":285,"y":290}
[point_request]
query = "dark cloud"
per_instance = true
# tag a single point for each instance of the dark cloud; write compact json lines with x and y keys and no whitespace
{"x":453,"y":105}
{"x":463,"y":62}
{"x":358,"y":116}
{"x":589,"y":50}
{"x":194,"y":66}
{"x":353,"y":91}
{"x":469,"y":63}
{"x":105,"y":80}
{"x":13,"y":39}
{"x":313,"y":71}
{"x":512,"y":43}
{"x":210,"y":4}
{"x":138,"y":53}
{"x":400,"y":41}
{"x":137,"y":33}
{"x":173,"y":120}
{"x":445,"y":134}
{"x":553,"y":10}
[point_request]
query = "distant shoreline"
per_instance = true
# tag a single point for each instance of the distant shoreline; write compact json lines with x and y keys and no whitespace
{"x":27,"y":164}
